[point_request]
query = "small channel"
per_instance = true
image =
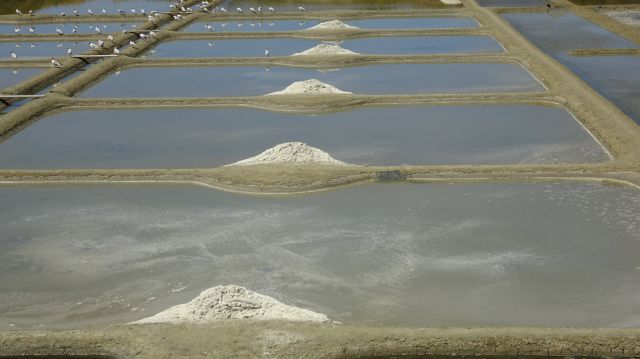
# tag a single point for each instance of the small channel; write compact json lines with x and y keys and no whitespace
{"x":423,"y":255}
{"x":255,"y":81}
{"x":187,"y":138}
{"x":292,"y":25}
{"x":410,"y":45}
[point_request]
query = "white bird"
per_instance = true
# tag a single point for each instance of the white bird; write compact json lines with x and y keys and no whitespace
{"x":90,"y":12}
{"x":104,"y":11}
{"x":301,"y":8}
{"x":209,"y":27}
{"x":153,"y":33}
{"x":63,"y":14}
{"x":121,"y":12}
{"x":98,"y":31}
{"x":143,"y":36}
{"x":143,"y":12}
{"x":59,"y":31}
{"x":55,"y":63}
{"x":133,"y":11}
{"x":239,"y":9}
{"x":32,"y":30}
{"x":223,"y":9}
{"x":116,"y":51}
{"x":271,"y":9}
{"x":252,"y":10}
{"x":93,"y":46}
{"x":69,"y":52}
{"x":259,"y":8}
{"x":132,"y":44}
{"x":32,"y":45}
{"x":110,"y":37}
{"x":18,"y":12}
{"x":266,"y":52}
{"x":14,"y":55}
{"x":17,"y":30}
{"x":75,"y":12}
{"x":101,"y":43}
{"x":75,"y":29}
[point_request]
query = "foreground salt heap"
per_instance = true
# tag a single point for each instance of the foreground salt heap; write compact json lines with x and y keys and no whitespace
{"x":333,"y":25}
{"x":233,"y":302}
{"x":311,"y":86}
{"x":325,"y":48}
{"x":291,"y":152}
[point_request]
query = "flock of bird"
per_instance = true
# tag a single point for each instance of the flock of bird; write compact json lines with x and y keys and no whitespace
{"x":152,"y":16}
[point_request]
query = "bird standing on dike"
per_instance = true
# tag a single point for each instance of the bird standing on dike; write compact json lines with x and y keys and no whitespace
{"x":55,"y":63}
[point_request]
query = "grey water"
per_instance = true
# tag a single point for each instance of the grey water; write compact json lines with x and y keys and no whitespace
{"x":66,"y":28}
{"x":10,"y":77}
{"x":410,"y":45}
{"x":513,"y":3}
{"x":255,"y":81}
{"x":42,"y":48}
{"x":188,"y":138}
{"x":615,"y":77}
{"x":476,"y":254}
{"x":111,"y":6}
{"x":310,"y":5}
{"x":293,"y":25}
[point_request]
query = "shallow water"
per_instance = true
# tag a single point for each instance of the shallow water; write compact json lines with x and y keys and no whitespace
{"x":419,"y":255}
{"x":381,"y":136}
{"x":111,"y":6}
{"x":286,"y":46}
{"x":311,"y":5}
{"x":512,"y":3}
{"x":43,"y":48}
{"x":292,"y":25}
{"x":560,"y":31}
{"x":10,"y":77}
{"x":615,"y":77}
{"x":82,"y":28}
{"x":254,"y":81}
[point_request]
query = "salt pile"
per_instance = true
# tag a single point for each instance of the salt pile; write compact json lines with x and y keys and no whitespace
{"x":232,"y":302}
{"x":326,"y":48}
{"x":311,"y":86}
{"x":451,"y":2}
{"x":291,"y":152}
{"x":333,"y":25}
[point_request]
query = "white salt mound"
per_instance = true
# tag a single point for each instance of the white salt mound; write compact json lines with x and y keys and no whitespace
{"x":451,"y":2}
{"x":311,"y":86}
{"x":291,"y":152}
{"x":333,"y":25}
{"x":233,"y":302}
{"x":325,"y":49}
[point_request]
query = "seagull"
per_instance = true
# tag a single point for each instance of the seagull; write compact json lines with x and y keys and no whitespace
{"x":143,"y":12}
{"x":301,"y":8}
{"x":32,"y":30}
{"x":59,"y":31}
{"x":98,"y":31}
{"x":143,"y":36}
{"x":132,"y":44}
{"x":90,"y":12}
{"x":17,"y":30}
{"x":93,"y":46}
{"x":104,"y":11}
{"x":133,"y":11}
{"x":266,"y":52}
{"x":63,"y":14}
{"x":259,"y":8}
{"x":153,"y":33}
{"x":110,"y":37}
{"x":209,"y":27}
{"x":271,"y":9}
{"x":75,"y":29}
{"x":239,"y":9}
{"x":122,"y":12}
{"x":69,"y":52}
{"x":116,"y":51}
{"x":252,"y":10}
{"x":55,"y":63}
{"x":75,"y":12}
{"x":101,"y":43}
{"x":223,"y":9}
{"x":14,"y":55}
{"x":18,"y":12}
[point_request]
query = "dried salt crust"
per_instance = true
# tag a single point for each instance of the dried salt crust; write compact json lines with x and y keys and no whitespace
{"x":333,"y":25}
{"x":311,"y":86}
{"x":233,"y":302}
{"x":325,"y":49}
{"x":451,"y":2}
{"x":291,"y":152}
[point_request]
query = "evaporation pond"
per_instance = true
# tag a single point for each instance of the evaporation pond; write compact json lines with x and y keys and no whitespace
{"x":405,"y":45}
{"x":67,"y":29}
{"x":10,"y":77}
{"x":560,"y":31}
{"x":512,"y":3}
{"x":477,"y":254}
{"x":292,"y":25}
{"x":313,"y":5}
{"x":43,"y":49}
{"x":184,"y":138}
{"x":111,"y":6}
{"x":254,"y":81}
